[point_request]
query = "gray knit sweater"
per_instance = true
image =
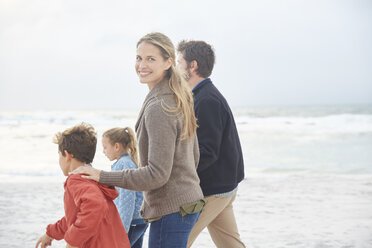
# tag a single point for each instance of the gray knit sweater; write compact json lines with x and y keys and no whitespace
{"x":167,"y":175}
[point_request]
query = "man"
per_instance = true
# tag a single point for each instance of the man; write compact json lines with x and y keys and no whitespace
{"x":221,"y":165}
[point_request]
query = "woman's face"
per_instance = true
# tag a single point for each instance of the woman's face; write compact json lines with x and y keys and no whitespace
{"x":150,"y":66}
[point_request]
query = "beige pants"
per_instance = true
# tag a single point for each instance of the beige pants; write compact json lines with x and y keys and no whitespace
{"x":218,"y":216}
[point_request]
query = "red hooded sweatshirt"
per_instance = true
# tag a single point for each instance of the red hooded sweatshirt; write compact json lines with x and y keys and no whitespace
{"x":91,"y":218}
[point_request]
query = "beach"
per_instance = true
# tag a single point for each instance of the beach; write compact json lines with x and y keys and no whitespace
{"x":308,"y":175}
{"x":273,"y":210}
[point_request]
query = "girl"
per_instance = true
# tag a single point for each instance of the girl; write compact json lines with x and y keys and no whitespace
{"x":120,"y":144}
{"x":168,"y":148}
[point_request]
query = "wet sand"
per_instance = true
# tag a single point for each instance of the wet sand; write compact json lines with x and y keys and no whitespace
{"x":272,"y":210}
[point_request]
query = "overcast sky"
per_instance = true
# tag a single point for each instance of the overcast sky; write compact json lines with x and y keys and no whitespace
{"x":71,"y":54}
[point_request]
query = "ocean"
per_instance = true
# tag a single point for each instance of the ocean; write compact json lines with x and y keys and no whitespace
{"x":308,"y":174}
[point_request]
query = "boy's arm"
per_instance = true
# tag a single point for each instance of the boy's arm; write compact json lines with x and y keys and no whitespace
{"x":92,"y":208}
{"x":58,"y":229}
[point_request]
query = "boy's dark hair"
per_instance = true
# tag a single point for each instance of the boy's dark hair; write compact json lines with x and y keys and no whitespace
{"x":201,"y":52}
{"x":80,"y":140}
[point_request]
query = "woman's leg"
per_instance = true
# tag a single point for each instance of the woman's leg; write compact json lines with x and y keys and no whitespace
{"x":171,"y":230}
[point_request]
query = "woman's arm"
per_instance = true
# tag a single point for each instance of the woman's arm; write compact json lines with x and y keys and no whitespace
{"x":157,"y":146}
{"x":162,"y":137}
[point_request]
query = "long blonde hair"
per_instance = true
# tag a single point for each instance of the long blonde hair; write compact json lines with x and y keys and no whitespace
{"x":183,"y":94}
{"x":126,"y":137}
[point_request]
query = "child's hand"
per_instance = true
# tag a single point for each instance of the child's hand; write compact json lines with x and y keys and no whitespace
{"x":45,"y":241}
{"x":69,"y":246}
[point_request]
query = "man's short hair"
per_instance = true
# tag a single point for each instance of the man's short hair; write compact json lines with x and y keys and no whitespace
{"x":80,"y":140}
{"x":199,"y":51}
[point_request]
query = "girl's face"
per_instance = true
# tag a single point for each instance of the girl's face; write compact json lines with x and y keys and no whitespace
{"x":111,"y":151}
{"x":150,"y":66}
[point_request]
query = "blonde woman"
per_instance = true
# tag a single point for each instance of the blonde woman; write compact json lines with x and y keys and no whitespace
{"x":168,"y":148}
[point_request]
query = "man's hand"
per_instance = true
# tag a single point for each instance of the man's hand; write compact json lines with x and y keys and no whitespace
{"x":88,"y":171}
{"x":45,"y":241}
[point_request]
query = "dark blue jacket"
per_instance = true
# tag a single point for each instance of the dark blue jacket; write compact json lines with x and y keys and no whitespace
{"x":221,"y":165}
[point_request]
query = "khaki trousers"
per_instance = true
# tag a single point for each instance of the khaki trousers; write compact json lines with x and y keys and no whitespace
{"x":218,"y":216}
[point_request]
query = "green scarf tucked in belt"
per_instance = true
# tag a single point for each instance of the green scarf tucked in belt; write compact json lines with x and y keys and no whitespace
{"x":191,"y":208}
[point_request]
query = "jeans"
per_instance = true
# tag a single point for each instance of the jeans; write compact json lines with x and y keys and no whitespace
{"x":136,"y":234}
{"x":172,"y":230}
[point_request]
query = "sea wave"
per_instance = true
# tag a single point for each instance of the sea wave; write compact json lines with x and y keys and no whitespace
{"x":17,"y":119}
{"x":331,"y":142}
{"x":342,"y":123}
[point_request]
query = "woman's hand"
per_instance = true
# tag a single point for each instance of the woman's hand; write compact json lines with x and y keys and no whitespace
{"x":88,"y":172}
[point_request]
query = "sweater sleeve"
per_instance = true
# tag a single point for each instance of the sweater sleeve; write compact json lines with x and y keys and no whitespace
{"x":210,"y":131}
{"x":161,"y":129}
{"x":196,"y":151}
{"x":125,"y":202}
{"x":92,"y":208}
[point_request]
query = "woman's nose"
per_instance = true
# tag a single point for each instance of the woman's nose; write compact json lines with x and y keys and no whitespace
{"x":142,"y":64}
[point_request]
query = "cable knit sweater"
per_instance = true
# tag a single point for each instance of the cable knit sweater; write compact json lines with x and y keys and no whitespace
{"x":168,"y":165}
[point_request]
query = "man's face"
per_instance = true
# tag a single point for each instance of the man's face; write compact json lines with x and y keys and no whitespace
{"x":183,"y":67}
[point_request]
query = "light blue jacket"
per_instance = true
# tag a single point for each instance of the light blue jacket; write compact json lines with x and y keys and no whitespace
{"x":128,"y":202}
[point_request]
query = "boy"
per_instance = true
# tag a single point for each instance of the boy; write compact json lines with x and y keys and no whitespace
{"x":91,"y":218}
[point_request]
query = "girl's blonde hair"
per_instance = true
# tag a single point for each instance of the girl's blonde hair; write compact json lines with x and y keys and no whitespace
{"x":183,"y":94}
{"x":126,"y":137}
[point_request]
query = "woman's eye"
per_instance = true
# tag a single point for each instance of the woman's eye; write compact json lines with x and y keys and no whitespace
{"x":151,"y":59}
{"x":138,"y":58}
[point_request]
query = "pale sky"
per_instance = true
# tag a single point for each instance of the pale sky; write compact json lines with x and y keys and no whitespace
{"x":73,"y":55}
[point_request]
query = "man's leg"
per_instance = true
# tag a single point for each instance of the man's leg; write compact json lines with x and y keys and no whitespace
{"x":213,"y":208}
{"x":223,"y":228}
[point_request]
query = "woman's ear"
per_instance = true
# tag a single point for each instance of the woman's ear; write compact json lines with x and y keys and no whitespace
{"x":169,"y":63}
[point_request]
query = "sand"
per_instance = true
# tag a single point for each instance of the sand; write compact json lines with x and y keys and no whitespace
{"x":272,"y":210}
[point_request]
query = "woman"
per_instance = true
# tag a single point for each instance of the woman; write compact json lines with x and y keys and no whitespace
{"x":168,"y":148}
